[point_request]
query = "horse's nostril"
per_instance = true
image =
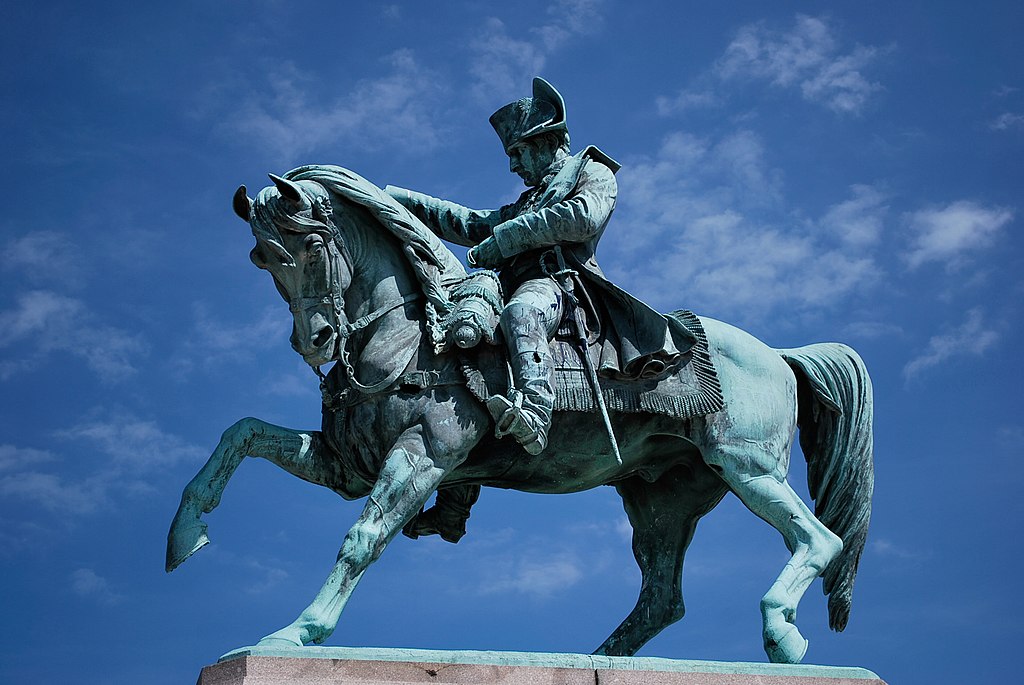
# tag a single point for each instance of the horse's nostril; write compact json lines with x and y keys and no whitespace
{"x":322,"y":336}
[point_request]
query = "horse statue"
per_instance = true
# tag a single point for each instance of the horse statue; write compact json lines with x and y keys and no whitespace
{"x":366,"y":283}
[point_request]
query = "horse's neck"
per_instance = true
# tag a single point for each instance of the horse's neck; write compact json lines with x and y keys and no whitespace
{"x":380,"y":272}
{"x":381,"y":278}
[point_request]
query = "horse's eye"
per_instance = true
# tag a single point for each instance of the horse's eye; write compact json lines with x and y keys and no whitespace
{"x":314,"y":246}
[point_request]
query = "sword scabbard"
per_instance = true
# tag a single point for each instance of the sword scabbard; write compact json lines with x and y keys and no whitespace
{"x":563,"y":277}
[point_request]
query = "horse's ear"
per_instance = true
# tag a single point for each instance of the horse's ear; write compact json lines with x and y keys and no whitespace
{"x":242,"y":204}
{"x":287,"y":188}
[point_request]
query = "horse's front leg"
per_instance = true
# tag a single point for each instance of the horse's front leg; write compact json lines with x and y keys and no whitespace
{"x":301,"y":453}
{"x":410,"y":474}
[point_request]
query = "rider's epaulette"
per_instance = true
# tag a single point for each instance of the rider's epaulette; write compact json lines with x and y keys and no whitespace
{"x":594,"y":153}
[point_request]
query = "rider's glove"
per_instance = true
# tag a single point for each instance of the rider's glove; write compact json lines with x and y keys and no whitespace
{"x":486,"y":255}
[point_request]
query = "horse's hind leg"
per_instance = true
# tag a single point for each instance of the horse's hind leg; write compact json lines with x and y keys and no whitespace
{"x":753,"y":474}
{"x":664,"y":515}
{"x":298,"y":452}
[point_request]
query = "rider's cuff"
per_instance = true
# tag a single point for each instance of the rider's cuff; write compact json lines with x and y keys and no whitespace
{"x":505,"y":237}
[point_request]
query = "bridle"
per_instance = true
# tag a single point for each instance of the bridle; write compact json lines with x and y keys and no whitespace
{"x":337,"y":249}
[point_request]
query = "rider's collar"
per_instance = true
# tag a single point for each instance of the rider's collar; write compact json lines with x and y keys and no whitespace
{"x":552,"y":172}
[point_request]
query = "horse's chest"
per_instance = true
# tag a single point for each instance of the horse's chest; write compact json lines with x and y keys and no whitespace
{"x":363,"y":434}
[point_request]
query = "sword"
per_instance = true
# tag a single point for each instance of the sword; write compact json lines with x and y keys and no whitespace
{"x":563,"y":277}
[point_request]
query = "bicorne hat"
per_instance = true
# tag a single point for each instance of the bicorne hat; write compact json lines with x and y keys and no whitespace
{"x":522,"y":119}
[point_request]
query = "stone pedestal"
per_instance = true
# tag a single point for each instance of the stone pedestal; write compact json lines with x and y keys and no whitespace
{"x":359,"y":665}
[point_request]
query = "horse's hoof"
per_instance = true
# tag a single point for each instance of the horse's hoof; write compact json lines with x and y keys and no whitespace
{"x":279,"y":642}
{"x":183,"y":541}
{"x":286,"y":638}
{"x":789,"y":648}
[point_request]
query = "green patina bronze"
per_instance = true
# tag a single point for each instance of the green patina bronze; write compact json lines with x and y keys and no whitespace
{"x":542,"y":377}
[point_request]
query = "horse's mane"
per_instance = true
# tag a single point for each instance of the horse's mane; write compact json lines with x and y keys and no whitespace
{"x":433,"y":263}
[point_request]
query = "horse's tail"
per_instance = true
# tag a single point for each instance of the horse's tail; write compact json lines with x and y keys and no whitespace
{"x":835,"y":418}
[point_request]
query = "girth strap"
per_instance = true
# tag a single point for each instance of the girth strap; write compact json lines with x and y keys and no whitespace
{"x":415,"y":381}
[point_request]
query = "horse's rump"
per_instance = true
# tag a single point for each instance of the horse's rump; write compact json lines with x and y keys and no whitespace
{"x":692,"y":389}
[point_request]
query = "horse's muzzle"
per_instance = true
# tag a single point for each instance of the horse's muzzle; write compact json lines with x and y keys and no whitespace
{"x":319,"y":346}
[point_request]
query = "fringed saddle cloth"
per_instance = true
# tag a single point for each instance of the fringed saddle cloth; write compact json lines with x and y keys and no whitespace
{"x":691,"y":390}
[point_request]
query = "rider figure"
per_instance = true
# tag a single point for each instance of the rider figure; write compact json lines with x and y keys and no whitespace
{"x":566,"y":207}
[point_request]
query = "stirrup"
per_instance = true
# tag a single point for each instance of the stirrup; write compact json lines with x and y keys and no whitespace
{"x":511,"y":419}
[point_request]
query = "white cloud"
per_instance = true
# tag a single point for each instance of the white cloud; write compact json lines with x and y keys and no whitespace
{"x":704,"y":223}
{"x":858,"y":222}
{"x":14,"y":458}
{"x":213,"y":334}
{"x":44,"y":324}
{"x":949,"y":233}
{"x":839,"y":84}
{"x":56,"y":494}
{"x":87,"y":584}
{"x":1010,"y":438}
{"x":537,"y":577}
{"x":624,"y":529}
{"x":872,"y":330}
{"x":973,"y":337}
{"x":740,"y":157}
{"x":133,"y":452}
{"x":891,"y":550}
{"x":38,"y":311}
{"x":783,"y":58}
{"x":806,"y":57}
{"x":215,"y":340}
{"x":687,"y":99}
{"x":408,"y":106}
{"x":291,"y":114}
{"x":1007,"y":120}
{"x":134,"y":444}
{"x":577,"y":17}
{"x":285,"y":384}
{"x":42,"y":256}
{"x":267,"y":577}
{"x":691,"y":176}
{"x":502,"y":63}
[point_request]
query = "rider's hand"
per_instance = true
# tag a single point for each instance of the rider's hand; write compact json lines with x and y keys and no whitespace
{"x":486,"y":255}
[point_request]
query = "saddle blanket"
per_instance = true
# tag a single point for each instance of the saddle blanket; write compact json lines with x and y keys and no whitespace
{"x":692,"y":389}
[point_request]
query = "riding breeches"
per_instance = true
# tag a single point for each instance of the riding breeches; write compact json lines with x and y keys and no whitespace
{"x":540,"y":301}
{"x":528,"y":322}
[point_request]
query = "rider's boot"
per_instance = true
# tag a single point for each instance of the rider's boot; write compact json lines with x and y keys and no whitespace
{"x":448,"y":516}
{"x":526,"y":413}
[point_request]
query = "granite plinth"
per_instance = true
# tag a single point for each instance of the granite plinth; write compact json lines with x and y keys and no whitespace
{"x":380,"y":666}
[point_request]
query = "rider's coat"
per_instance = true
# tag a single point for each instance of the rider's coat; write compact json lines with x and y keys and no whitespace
{"x":570,"y":208}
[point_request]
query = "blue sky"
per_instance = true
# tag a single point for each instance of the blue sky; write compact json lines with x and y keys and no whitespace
{"x":807,"y":172}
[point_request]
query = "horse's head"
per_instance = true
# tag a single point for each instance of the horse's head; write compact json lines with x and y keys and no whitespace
{"x":298,"y":242}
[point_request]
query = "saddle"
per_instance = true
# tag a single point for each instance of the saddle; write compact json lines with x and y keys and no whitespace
{"x":689,"y":389}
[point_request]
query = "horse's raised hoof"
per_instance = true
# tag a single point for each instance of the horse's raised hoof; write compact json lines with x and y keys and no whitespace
{"x":788,"y":648}
{"x":183,"y":541}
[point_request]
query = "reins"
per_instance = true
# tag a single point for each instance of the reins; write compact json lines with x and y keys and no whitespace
{"x":347,"y":328}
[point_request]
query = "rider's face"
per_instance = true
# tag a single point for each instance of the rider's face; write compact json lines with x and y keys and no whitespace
{"x":530,"y":159}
